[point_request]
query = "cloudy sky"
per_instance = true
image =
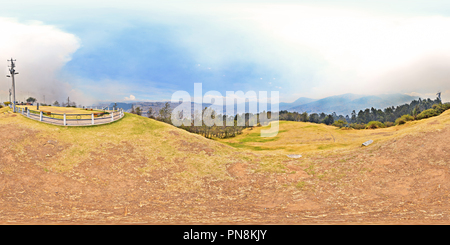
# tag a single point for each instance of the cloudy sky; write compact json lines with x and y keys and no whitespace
{"x":146,"y":50}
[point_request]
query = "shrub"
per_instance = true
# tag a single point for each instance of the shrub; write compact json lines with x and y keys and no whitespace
{"x":375,"y":124}
{"x":389,"y":124}
{"x":404,"y":119}
{"x":441,"y":107}
{"x":357,"y":126}
{"x":428,"y":113}
{"x":7,"y":103}
{"x":340,"y":123}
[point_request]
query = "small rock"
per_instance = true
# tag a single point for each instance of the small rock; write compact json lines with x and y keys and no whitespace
{"x":367,"y":143}
{"x":294,"y":156}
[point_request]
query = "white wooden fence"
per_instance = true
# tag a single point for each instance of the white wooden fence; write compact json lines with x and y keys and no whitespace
{"x":73,"y":119}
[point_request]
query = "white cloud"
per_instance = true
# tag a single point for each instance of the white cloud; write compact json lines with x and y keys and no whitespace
{"x":360,"y":49}
{"x":40,"y":50}
{"x":130,"y":98}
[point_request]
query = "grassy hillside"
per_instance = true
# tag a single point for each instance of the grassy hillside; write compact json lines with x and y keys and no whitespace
{"x":301,"y":137}
{"x":144,"y":142}
{"x":139,"y":170}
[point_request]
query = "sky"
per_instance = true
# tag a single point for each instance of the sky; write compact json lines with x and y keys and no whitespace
{"x":125,"y":51}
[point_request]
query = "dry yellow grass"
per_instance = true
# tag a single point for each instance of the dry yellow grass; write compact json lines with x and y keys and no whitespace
{"x":71,"y":112}
{"x":301,"y":137}
{"x":60,"y":110}
{"x":158,"y":146}
{"x":142,"y":170}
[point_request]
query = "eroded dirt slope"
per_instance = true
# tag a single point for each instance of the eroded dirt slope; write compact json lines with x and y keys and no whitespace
{"x":47,"y":175}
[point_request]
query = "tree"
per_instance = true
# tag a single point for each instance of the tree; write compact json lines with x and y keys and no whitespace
{"x":56,"y":103}
{"x":353,"y":118}
{"x":150,"y":113}
{"x":314,"y":118}
{"x":304,"y":117}
{"x":138,"y":111}
{"x":31,"y":99}
{"x":328,"y":120}
{"x":165,"y":112}
{"x":416,"y":111}
{"x":132,"y":109}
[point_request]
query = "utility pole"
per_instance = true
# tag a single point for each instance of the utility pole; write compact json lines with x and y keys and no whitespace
{"x":10,"y":96}
{"x":13,"y":72}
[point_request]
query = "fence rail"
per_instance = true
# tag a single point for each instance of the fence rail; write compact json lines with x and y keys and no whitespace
{"x":94,"y":118}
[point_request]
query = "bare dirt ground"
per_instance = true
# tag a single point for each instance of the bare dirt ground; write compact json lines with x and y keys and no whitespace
{"x":401,"y":181}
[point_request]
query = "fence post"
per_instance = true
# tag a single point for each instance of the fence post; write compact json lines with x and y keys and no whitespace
{"x":92,"y":116}
{"x":112,"y":116}
{"x":28,"y":113}
{"x":40,"y":116}
{"x":65,"y":119}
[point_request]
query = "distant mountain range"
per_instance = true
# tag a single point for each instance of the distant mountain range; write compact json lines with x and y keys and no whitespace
{"x":346,"y":103}
{"x":300,"y":101}
{"x":341,"y":104}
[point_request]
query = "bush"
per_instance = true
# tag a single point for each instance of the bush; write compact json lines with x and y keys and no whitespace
{"x":404,"y":119}
{"x":375,"y":124}
{"x":357,"y":126}
{"x":340,"y":123}
{"x":389,"y":124}
{"x":7,"y":103}
{"x":441,"y":107}
{"x":428,"y":113}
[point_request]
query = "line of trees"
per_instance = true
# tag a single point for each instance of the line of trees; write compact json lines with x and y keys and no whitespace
{"x":359,"y":120}
{"x":369,"y":118}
